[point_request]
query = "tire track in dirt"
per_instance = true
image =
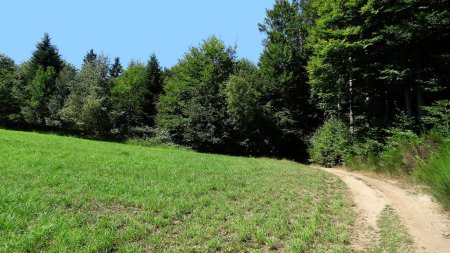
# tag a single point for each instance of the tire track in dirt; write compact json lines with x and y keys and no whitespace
{"x":425,"y":221}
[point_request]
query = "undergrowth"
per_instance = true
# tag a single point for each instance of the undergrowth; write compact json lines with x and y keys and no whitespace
{"x":436,"y":174}
{"x":425,"y":158}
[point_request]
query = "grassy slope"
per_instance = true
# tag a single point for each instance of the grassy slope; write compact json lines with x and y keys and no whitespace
{"x":436,"y":174}
{"x":63,"y":194}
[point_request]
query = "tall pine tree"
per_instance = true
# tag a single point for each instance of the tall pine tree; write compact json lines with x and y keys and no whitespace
{"x":116,"y":69}
{"x":154,"y":87}
{"x":40,"y":77}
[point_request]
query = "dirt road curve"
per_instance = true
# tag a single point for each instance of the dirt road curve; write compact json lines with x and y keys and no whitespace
{"x":424,"y":220}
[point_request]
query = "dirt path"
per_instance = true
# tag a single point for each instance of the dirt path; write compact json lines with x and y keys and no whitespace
{"x":425,"y":222}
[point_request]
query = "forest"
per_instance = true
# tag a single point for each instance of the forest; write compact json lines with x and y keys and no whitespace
{"x":330,"y":142}
{"x":338,"y":81}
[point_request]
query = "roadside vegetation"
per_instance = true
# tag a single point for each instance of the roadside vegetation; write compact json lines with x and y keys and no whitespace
{"x":435,"y":172}
{"x":402,"y":153}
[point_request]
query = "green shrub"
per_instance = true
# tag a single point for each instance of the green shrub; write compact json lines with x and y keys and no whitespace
{"x":436,"y":174}
{"x":367,"y":147}
{"x":150,"y":142}
{"x":330,"y":144}
{"x":410,"y":152}
{"x":149,"y":137}
{"x":403,"y":153}
{"x":399,"y":137}
{"x":437,"y":117}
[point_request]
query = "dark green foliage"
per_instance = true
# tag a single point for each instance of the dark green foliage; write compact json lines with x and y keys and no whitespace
{"x":380,"y":67}
{"x":372,"y":59}
{"x":39,"y":91}
{"x":64,"y":82}
{"x":410,"y":45}
{"x":150,"y":137}
{"x":154,"y":89}
{"x":7,"y":65}
{"x":154,"y":72}
{"x":116,"y":69}
{"x":437,"y":117}
{"x":46,"y":55}
{"x":9,"y":97}
{"x":193,"y":107}
{"x":90,"y":57}
{"x":339,"y":71}
{"x":135,"y":96}
{"x":330,"y":144}
{"x":285,"y":94}
{"x":128,"y":99}
{"x":247,"y":114}
{"x":40,"y":77}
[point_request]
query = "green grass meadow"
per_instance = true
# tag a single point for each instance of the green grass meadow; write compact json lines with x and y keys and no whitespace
{"x":62,"y":194}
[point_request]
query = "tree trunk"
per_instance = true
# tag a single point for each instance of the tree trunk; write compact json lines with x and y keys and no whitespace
{"x":387,"y":108}
{"x":419,"y":93}
{"x":408,"y":109}
{"x":350,"y":114}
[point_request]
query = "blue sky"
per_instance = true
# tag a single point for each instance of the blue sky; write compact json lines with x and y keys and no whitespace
{"x":132,"y":29}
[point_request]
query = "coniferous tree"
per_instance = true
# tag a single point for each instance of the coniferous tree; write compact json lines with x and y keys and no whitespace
{"x":154,"y":87}
{"x":40,"y":77}
{"x":90,"y":56}
{"x":46,"y":55}
{"x":116,"y":69}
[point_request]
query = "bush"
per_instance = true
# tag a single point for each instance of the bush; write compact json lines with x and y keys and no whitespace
{"x":438,"y":117}
{"x":403,"y":153}
{"x":149,"y":137}
{"x":150,"y":142}
{"x":436,"y":174}
{"x":330,"y":144}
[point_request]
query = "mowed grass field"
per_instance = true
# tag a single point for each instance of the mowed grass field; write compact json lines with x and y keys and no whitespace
{"x":62,"y":194}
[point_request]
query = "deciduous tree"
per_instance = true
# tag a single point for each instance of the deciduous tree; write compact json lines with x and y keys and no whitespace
{"x":88,"y":103}
{"x":193,"y":107}
{"x":128,"y":99}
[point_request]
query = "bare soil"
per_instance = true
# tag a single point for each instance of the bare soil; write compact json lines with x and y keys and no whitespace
{"x":424,"y":219}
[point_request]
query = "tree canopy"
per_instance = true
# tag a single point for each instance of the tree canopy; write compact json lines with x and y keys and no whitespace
{"x":362,"y":67}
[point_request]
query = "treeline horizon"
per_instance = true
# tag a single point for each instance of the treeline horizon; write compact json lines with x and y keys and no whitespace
{"x":370,"y":66}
